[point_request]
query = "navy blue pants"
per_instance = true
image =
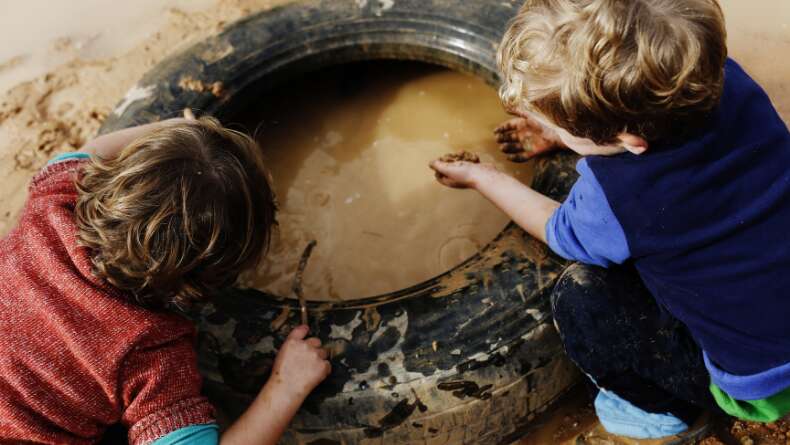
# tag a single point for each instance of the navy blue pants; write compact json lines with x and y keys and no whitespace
{"x":614,"y":330}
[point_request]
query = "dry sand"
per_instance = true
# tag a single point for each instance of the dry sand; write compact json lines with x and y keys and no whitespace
{"x":101,"y":59}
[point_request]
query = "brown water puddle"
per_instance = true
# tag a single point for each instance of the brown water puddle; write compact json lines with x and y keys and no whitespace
{"x":349,"y":149}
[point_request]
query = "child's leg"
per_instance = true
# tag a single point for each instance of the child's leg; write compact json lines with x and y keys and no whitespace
{"x":615,"y":332}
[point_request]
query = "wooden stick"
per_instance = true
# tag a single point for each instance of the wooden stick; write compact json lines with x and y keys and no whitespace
{"x":297,"y":286}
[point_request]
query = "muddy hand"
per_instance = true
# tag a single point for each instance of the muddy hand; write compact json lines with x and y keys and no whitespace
{"x":301,"y":363}
{"x":521,"y":139}
{"x":460,"y":175}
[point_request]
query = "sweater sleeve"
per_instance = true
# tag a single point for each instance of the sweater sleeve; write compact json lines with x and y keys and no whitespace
{"x":160,"y":390}
{"x":584,"y":228}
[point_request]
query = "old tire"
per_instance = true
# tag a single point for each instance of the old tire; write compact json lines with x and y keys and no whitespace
{"x":470,"y":356}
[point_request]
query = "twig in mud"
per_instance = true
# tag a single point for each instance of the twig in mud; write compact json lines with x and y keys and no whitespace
{"x":297,"y":286}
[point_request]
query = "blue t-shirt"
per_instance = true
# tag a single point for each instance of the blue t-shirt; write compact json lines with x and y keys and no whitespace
{"x":584,"y":228}
{"x":704,"y":221}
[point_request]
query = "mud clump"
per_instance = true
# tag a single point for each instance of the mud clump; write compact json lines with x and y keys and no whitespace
{"x":463,"y":156}
{"x":191,"y":84}
{"x":760,"y":433}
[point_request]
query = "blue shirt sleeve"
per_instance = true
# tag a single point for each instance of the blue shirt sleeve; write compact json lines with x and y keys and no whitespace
{"x":584,"y":228}
{"x":191,"y":435}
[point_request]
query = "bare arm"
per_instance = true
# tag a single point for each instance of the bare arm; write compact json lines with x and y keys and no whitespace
{"x":300,"y":366}
{"x":526,"y":207}
{"x":265,"y":420}
{"x":108,"y":146}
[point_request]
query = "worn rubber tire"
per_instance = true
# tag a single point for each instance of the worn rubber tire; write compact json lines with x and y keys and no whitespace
{"x":469,"y":357}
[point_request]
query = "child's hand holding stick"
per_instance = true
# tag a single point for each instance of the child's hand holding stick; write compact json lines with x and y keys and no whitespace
{"x":297,"y":286}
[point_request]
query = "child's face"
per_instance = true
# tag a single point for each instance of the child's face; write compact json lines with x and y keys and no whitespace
{"x":586,"y":147}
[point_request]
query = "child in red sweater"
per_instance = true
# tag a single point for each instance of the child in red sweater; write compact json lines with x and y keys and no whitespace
{"x":143,"y":218}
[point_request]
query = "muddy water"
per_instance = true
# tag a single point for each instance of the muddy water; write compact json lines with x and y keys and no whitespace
{"x":349,"y":149}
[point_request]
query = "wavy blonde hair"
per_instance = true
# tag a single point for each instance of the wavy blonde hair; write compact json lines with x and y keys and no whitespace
{"x":178,"y":214}
{"x":601,"y":67}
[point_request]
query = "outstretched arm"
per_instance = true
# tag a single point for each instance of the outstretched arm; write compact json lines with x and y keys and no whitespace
{"x":526,"y":207}
{"x":110,"y":145}
{"x":299,"y":367}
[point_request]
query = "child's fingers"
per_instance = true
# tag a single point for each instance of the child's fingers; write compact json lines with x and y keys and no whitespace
{"x":440,"y":167}
{"x":298,"y":333}
{"x":519,"y":157}
{"x":323,"y":354}
{"x":437,"y":165}
{"x":510,"y":136}
{"x":510,"y":125}
{"x":511,"y":148}
{"x":447,"y":168}
{"x":313,"y":342}
{"x":505,"y":128}
{"x":449,"y":182}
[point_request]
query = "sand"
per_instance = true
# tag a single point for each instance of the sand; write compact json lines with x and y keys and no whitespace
{"x":99,"y":59}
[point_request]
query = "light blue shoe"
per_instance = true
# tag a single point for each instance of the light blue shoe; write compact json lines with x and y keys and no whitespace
{"x":622,"y":423}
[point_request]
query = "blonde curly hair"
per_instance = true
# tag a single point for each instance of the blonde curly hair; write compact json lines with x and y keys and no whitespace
{"x":178,"y":214}
{"x":598,"y":68}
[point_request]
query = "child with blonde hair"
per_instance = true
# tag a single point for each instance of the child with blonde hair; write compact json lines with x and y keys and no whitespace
{"x":679,"y":300}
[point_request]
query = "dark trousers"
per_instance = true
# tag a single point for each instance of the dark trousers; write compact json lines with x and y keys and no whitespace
{"x":614,"y":330}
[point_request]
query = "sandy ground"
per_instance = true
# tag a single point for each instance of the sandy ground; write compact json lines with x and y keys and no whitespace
{"x":58,"y":83}
{"x":70,"y":62}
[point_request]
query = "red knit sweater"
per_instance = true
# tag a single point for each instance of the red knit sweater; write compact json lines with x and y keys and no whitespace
{"x":75,"y":356}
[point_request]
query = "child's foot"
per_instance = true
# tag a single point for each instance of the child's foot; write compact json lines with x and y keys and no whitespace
{"x":599,"y":436}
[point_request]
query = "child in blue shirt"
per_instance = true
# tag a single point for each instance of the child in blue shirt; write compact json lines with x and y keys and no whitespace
{"x":684,"y":179}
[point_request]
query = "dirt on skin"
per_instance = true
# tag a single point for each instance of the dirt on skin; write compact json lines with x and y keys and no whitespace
{"x":463,"y":156}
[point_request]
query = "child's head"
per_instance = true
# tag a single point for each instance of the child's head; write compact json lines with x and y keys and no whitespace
{"x":178,"y":214}
{"x":600,"y":69}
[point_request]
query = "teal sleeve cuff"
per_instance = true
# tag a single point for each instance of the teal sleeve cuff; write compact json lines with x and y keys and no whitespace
{"x":192,"y":435}
{"x":68,"y":157}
